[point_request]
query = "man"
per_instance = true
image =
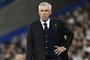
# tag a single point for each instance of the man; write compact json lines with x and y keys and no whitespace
{"x":45,"y":39}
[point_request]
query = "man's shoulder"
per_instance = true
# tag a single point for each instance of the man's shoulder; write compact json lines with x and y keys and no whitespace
{"x":57,"y":20}
{"x":34,"y":22}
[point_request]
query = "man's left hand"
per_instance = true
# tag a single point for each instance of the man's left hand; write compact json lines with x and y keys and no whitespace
{"x":59,"y":50}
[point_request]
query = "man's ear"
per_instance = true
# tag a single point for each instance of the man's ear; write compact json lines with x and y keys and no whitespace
{"x":38,"y":12}
{"x":50,"y":12}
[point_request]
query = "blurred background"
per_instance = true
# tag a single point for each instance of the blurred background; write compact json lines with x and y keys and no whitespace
{"x":15,"y":15}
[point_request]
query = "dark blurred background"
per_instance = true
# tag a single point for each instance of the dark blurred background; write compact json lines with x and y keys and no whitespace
{"x":15,"y":15}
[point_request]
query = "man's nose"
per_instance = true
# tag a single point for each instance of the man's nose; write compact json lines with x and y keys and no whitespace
{"x":44,"y":13}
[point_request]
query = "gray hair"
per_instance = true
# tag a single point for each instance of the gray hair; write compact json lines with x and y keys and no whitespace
{"x":45,"y":4}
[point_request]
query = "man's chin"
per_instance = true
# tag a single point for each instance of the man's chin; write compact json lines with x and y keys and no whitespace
{"x":44,"y":19}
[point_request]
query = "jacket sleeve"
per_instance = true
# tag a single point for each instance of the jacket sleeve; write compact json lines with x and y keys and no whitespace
{"x":69,"y":36}
{"x":29,"y":48}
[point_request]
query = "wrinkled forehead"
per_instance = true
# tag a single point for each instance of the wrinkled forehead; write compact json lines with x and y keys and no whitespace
{"x":45,"y":7}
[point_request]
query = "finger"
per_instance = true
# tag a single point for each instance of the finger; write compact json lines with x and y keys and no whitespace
{"x":59,"y":53}
{"x":55,"y":50}
{"x":56,"y":46}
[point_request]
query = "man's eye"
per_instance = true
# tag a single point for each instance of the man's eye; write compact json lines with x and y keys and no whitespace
{"x":46,"y":10}
{"x":42,"y":10}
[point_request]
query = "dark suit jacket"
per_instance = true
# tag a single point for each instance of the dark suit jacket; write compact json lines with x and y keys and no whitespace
{"x":35,"y":44}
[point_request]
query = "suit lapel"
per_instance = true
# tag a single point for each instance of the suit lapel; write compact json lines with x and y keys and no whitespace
{"x":40,"y":32}
{"x":54,"y":25}
{"x":55,"y":28}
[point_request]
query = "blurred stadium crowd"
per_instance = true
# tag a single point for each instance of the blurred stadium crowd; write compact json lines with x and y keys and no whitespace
{"x":14,"y":49}
{"x":78,"y":21}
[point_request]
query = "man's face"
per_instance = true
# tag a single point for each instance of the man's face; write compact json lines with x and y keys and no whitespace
{"x":44,"y":12}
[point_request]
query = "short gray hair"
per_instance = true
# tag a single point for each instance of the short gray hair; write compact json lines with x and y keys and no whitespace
{"x":45,"y":4}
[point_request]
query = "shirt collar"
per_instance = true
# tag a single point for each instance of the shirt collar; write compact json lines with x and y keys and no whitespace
{"x":48,"y":21}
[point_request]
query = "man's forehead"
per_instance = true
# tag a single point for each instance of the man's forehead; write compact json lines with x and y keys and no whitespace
{"x":44,"y":7}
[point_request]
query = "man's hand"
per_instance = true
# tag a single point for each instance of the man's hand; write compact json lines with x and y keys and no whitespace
{"x":59,"y":50}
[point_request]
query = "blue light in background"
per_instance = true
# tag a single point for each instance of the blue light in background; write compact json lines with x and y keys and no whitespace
{"x":4,"y":3}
